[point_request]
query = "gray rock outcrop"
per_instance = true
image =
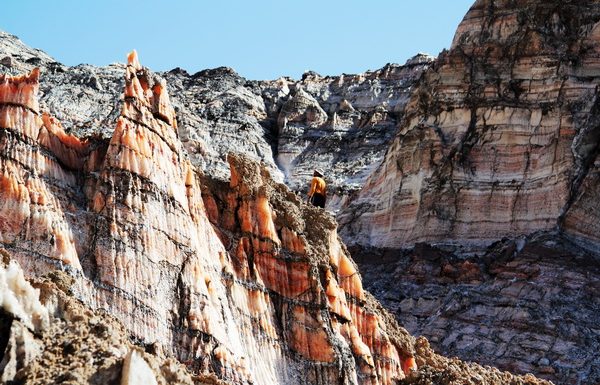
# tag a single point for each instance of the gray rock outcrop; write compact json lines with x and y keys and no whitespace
{"x":342,"y":124}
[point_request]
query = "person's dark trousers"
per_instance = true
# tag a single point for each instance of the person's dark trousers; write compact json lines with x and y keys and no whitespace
{"x":318,"y":200}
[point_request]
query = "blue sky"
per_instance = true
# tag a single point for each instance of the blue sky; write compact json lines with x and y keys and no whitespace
{"x":261,"y":39}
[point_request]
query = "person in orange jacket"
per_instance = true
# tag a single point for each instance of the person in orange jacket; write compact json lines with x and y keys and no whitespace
{"x":318,"y":190}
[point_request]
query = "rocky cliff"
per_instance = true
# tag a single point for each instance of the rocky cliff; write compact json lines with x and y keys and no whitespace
{"x":500,"y":138}
{"x":238,"y":278}
{"x":527,"y":305}
{"x":479,"y":228}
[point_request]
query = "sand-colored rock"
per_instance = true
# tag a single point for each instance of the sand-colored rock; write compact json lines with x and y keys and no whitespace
{"x":21,"y":350}
{"x":76,"y":345}
{"x":499,"y":140}
{"x":136,"y":370}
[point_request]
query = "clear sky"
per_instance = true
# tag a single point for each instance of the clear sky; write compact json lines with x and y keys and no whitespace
{"x":260,"y":39}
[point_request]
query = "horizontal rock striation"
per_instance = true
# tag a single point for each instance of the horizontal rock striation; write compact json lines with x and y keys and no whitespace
{"x":499,"y":139}
{"x":484,"y":206}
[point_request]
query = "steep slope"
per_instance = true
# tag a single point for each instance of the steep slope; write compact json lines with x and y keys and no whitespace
{"x":268,"y":295}
{"x":480,"y":227}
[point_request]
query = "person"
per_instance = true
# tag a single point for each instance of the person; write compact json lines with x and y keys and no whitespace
{"x":318,"y":190}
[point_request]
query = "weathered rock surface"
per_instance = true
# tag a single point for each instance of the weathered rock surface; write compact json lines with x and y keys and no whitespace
{"x":341,"y":124}
{"x":220,"y":112}
{"x":499,"y":139}
{"x":527,"y":306}
{"x":73,"y":345}
{"x":85,"y":98}
{"x":242,"y":279}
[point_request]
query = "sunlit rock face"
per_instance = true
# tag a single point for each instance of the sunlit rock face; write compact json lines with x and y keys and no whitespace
{"x":239,"y":278}
{"x":129,"y":221}
{"x":342,"y":124}
{"x":499,"y":139}
{"x":480,"y":228}
{"x":287,"y":260}
{"x":220,"y":112}
{"x":48,"y":336}
{"x":38,"y":180}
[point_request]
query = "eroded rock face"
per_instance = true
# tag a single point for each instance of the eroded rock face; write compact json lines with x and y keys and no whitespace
{"x":341,"y":124}
{"x":74,"y":345}
{"x":500,"y":138}
{"x":143,"y":207}
{"x":242,"y":280}
{"x":288,"y":256}
{"x":221,"y":112}
{"x":527,"y":306}
{"x":499,"y":146}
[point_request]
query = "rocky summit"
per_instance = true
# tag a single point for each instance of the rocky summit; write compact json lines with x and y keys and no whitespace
{"x":153,"y":226}
{"x":339,"y":123}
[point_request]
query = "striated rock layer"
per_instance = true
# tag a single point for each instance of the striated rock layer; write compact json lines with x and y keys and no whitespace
{"x":241,"y":280}
{"x":50,"y":337}
{"x":499,"y":139}
{"x":485,"y":206}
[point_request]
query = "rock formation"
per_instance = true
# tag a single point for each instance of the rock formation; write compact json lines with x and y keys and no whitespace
{"x":221,"y":112}
{"x":239,"y":279}
{"x":527,"y":305}
{"x":50,"y":337}
{"x":478,"y":230}
{"x":342,"y":124}
{"x":500,"y":138}
{"x":485,"y":206}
